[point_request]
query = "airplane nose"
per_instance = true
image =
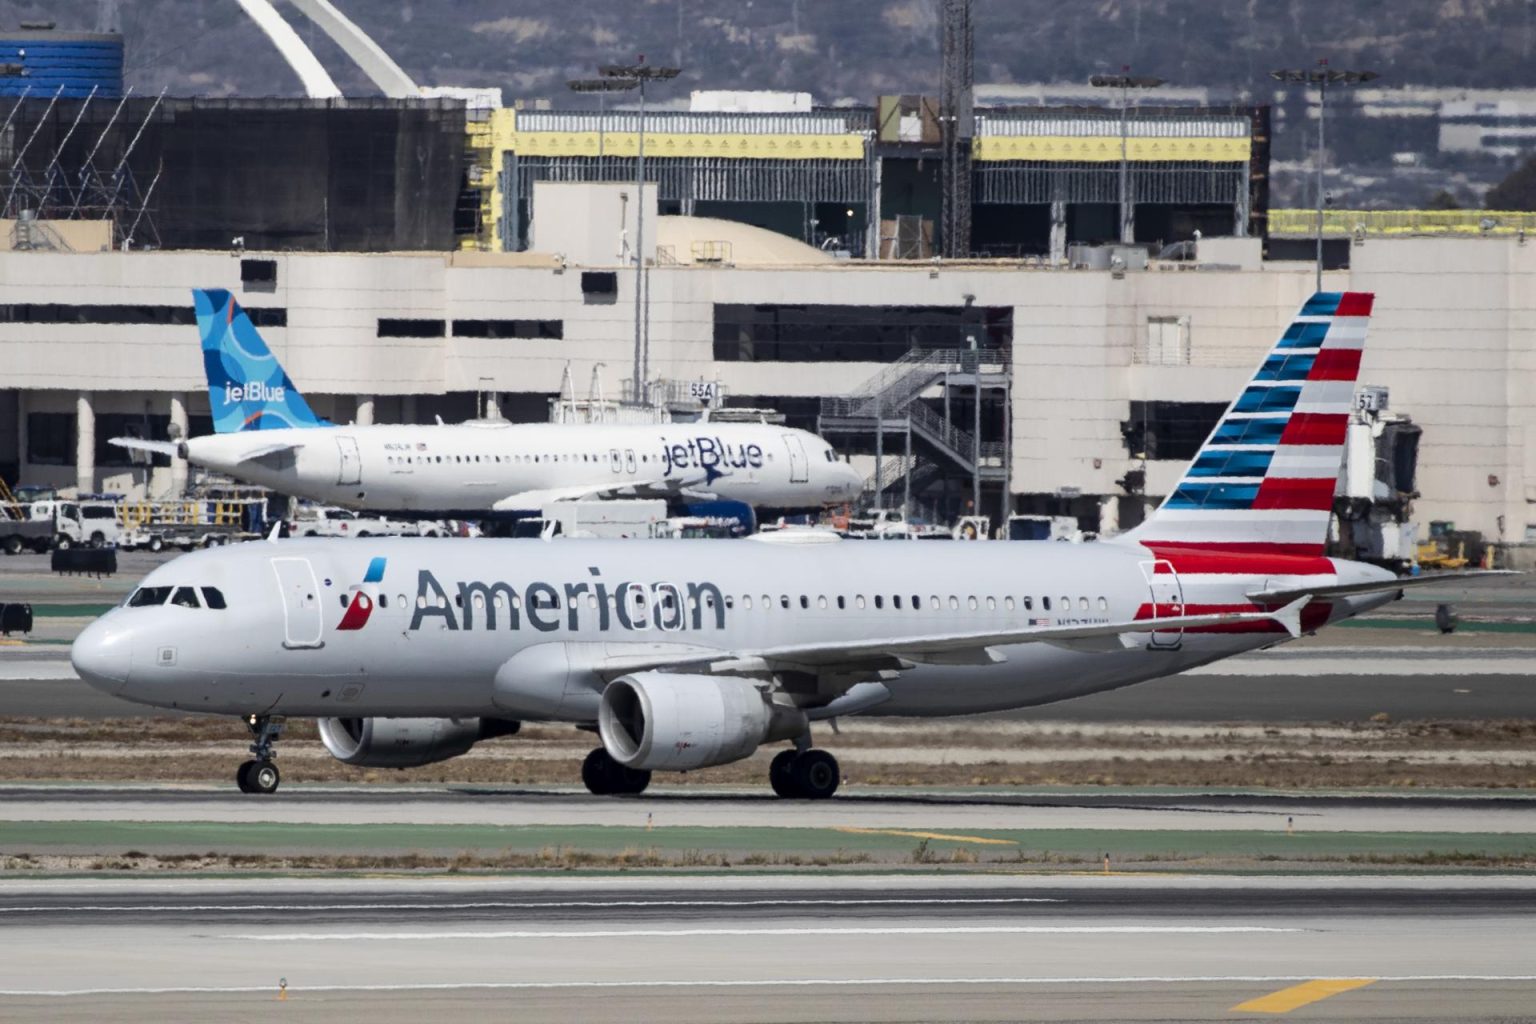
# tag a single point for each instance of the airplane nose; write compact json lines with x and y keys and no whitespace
{"x":102,"y":655}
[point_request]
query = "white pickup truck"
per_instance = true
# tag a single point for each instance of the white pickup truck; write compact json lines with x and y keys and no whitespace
{"x":325,"y":521}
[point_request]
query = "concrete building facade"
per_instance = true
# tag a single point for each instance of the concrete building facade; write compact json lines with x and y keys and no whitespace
{"x":1108,"y":365}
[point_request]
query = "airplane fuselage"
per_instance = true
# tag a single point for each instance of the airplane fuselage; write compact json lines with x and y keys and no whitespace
{"x":471,"y":469}
{"x":523,"y":629}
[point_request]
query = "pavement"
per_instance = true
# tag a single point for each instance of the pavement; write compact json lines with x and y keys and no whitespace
{"x":802,"y":949}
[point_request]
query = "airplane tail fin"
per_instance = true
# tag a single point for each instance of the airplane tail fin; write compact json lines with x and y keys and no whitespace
{"x":247,"y":387}
{"x":1263,"y":482}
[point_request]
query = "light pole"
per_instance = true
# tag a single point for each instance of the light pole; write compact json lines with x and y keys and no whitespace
{"x":1125,"y":83}
{"x":636,"y":76}
{"x":1321,"y":76}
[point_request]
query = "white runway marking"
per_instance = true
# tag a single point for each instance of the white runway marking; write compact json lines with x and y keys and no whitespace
{"x":670,"y":933}
{"x":501,"y":905}
{"x":751,"y":983}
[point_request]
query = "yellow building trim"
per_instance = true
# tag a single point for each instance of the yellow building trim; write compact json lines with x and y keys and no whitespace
{"x":1106,"y":148}
{"x":1379,"y":223}
{"x":691,"y":144}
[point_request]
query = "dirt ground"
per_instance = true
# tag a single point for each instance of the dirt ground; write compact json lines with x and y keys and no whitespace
{"x":1440,"y":754}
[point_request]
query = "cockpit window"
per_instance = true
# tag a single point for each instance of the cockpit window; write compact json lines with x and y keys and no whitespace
{"x":213,"y":597}
{"x":144,"y":597}
{"x":185,"y":597}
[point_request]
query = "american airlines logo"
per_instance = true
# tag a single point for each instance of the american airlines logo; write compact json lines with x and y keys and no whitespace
{"x":364,"y":597}
{"x":257,"y":392}
{"x":593,"y":604}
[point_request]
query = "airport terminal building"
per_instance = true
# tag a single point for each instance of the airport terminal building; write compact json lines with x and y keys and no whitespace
{"x":1107,"y":371}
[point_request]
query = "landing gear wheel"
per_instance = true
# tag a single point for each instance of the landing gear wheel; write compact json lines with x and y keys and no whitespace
{"x":815,"y":774}
{"x":262,"y":777}
{"x":604,"y":776}
{"x":781,"y":774}
{"x":12,"y":545}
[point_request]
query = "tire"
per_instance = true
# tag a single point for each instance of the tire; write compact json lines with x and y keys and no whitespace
{"x":363,"y":533}
{"x":263,"y":777}
{"x":633,"y":780}
{"x":242,"y":776}
{"x":781,"y":774}
{"x":12,"y":545}
{"x":156,"y":543}
{"x":98,"y":539}
{"x":62,"y":543}
{"x":597,"y":774}
{"x":816,"y":774}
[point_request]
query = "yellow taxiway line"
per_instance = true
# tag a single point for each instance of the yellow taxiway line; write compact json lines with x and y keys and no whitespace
{"x":1288,"y":999}
{"x":926,"y":835}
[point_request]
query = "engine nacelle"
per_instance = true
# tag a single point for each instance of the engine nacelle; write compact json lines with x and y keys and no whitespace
{"x":660,"y":721}
{"x":406,"y":742}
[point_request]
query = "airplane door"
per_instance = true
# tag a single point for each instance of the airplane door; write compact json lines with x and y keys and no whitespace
{"x":630,"y":463}
{"x":1167,"y":600}
{"x":302,"y":625}
{"x":351,"y":471}
{"x":799,"y":466}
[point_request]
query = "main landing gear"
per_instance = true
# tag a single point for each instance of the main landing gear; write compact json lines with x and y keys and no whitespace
{"x":809,"y":774}
{"x":261,"y":775}
{"x":606,"y":777}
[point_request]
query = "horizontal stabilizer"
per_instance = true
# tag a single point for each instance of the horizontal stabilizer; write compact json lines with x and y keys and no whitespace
{"x":1374,"y":586}
{"x":169,"y":448}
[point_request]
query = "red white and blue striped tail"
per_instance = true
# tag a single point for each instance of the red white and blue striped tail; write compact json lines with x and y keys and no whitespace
{"x":1263,"y":482}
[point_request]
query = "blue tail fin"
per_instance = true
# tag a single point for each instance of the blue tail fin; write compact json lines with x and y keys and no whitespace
{"x":247,"y":387}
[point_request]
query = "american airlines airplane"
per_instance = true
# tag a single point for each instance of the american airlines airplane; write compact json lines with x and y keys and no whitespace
{"x":687,"y":654}
{"x":267,"y":434}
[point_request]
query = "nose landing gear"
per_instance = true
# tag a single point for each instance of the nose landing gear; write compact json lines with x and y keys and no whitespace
{"x":261,"y":775}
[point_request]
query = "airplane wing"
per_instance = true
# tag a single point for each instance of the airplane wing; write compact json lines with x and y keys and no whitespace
{"x":1374,"y":586}
{"x":532,"y":501}
{"x":170,"y":448}
{"x":943,"y":648}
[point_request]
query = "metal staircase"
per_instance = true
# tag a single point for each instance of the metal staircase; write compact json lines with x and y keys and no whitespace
{"x":930,"y":446}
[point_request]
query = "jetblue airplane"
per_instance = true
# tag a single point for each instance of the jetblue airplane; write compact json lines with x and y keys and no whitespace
{"x":267,"y":434}
{"x":687,"y":655}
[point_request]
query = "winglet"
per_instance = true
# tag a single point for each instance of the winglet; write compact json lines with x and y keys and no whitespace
{"x":1290,"y":615}
{"x":277,"y":531}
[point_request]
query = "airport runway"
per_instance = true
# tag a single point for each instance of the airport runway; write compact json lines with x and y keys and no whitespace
{"x":1301,"y":684}
{"x":448,"y":806}
{"x":711,"y":949}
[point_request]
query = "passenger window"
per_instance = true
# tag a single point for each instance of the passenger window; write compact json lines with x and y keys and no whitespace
{"x":991,"y":604}
{"x":821,"y":601}
{"x":746,"y":601}
{"x":767,"y":603}
{"x":185,"y":597}
{"x":784,"y":601}
{"x":1045,"y":603}
{"x":1029,"y":604}
{"x":805,"y":602}
{"x":146,"y":597}
{"x":1066,"y":604}
{"x":383,"y":600}
{"x":1082,"y":604}
{"x":970,"y":602}
{"x":858,"y":602}
{"x":896,"y":601}
{"x":933,"y":601}
{"x":916,"y":602}
{"x":842,"y":603}
{"x":1103,"y":604}
{"x":879,"y":601}
{"x":1008,"y":603}
{"x":954,"y":603}
{"x":343,"y":599}
{"x":213,"y":598}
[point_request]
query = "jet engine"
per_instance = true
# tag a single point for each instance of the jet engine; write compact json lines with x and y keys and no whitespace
{"x":660,"y":721}
{"x":406,"y":742}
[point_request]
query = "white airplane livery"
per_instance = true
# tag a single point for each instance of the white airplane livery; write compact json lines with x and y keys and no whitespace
{"x":687,"y":654}
{"x":267,"y":434}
